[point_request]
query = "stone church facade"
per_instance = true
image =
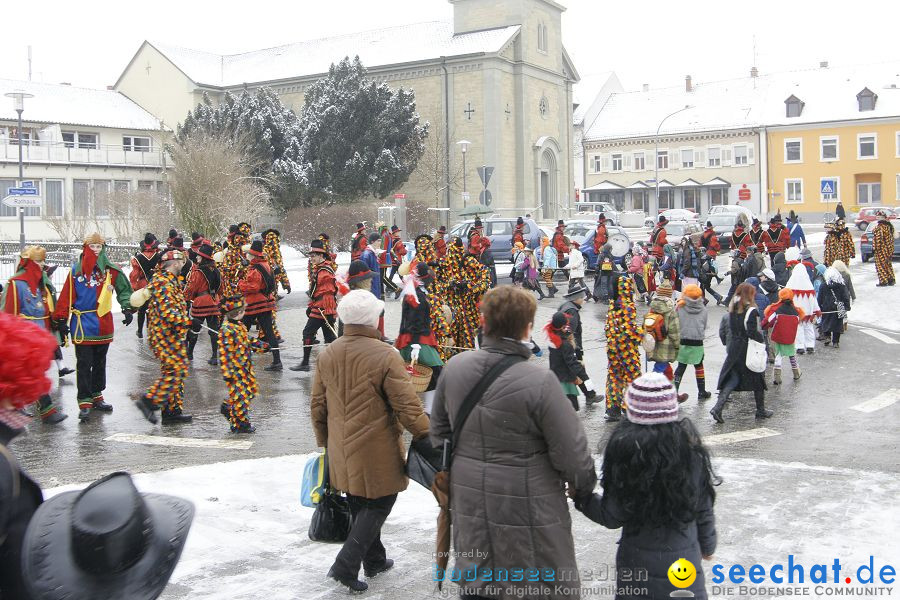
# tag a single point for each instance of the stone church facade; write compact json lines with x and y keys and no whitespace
{"x":497,"y":76}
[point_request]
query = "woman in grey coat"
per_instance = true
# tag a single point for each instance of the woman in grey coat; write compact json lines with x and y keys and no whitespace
{"x":519,"y":449}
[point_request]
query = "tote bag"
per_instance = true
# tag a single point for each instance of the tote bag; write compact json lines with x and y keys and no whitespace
{"x":756,"y":351}
{"x":315,"y":481}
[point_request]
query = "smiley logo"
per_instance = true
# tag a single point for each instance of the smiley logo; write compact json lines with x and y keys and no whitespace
{"x":682,"y":573}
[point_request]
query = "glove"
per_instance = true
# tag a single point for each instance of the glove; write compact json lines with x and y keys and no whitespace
{"x":129,"y":317}
{"x":579,"y":354}
{"x":62,"y":327}
{"x":287,"y":288}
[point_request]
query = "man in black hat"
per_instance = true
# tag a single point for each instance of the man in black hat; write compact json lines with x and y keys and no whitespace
{"x":397,"y":252}
{"x":258,"y":288}
{"x":354,"y":242}
{"x":142,"y":265}
{"x":658,"y":239}
{"x":776,"y":238}
{"x":322,"y":308}
{"x":755,"y":233}
{"x":202,"y":295}
{"x":558,"y":241}
{"x":440,"y":244}
{"x":575,"y":297}
{"x":519,"y":232}
{"x":600,"y":235}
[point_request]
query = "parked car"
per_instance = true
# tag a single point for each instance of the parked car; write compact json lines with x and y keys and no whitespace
{"x":735,"y":211}
{"x":865,"y":242}
{"x":673,"y":214}
{"x":595,"y":208}
{"x":867,"y":215}
{"x":675,"y":230}
{"x":723,"y":224}
{"x":583,"y":232}
{"x":500,"y":230}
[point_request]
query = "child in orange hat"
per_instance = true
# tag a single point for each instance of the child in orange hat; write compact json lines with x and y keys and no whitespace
{"x":783,"y":319}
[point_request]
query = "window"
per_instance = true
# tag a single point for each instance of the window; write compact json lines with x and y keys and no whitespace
{"x":867,"y":146}
{"x":81,"y":197}
{"x":145,"y":186}
{"x":718,"y":196}
{"x":121,"y":187}
{"x":101,"y":198}
{"x":793,"y":189}
{"x":542,"y":37}
{"x":136,"y":144}
{"x":829,"y":189}
{"x":740,"y":155}
{"x":639,"y":199}
{"x":639,"y":164}
{"x":616,"y":163}
{"x":662,"y":159}
{"x":828,"y":148}
{"x":687,"y":158}
{"x":793,"y":151}
{"x":53,"y":201}
{"x":866,"y":99}
{"x":666,"y":200}
{"x":26,"y":136}
{"x":5,"y":184}
{"x":79,"y":139}
{"x":714,"y":156}
{"x":868,"y":193}
{"x":499,"y":228}
{"x":595,"y":163}
{"x":793,"y":106}
{"x":691,"y":199}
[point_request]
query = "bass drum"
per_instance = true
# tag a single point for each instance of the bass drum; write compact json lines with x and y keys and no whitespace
{"x":620,"y":245}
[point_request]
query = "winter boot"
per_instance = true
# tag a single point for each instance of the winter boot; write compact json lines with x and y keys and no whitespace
{"x":551,"y":291}
{"x":373,"y":571}
{"x":574,"y":400}
{"x":243,"y":427}
{"x":777,"y":380}
{"x":307,"y":351}
{"x":100,"y":404}
{"x":175,"y":416}
{"x":761,"y":412}
{"x":191,"y":342}
{"x":49,"y":413}
{"x":716,"y":411}
{"x":797,"y":373}
{"x":613,"y":413}
{"x":540,"y":292}
{"x":702,"y":394}
{"x":146,"y":406}
{"x":354,"y":585}
{"x":276,"y":362}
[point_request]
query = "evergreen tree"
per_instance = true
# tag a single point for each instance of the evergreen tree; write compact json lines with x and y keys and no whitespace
{"x":357,"y":138}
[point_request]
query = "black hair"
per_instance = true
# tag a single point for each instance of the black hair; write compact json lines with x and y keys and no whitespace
{"x":653,"y":471}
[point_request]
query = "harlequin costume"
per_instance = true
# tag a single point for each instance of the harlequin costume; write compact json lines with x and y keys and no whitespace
{"x":883,"y":248}
{"x":435,"y":289}
{"x":258,"y":288}
{"x":623,"y":338}
{"x":272,"y":250}
{"x":658,"y":239}
{"x":440,"y":244}
{"x":142,"y":265}
{"x":467,"y":280}
{"x":168,"y":323}
{"x":839,"y":244}
{"x":29,"y":294}
{"x":776,"y":238}
{"x":321,"y":312}
{"x":804,"y":299}
{"x":237,"y":368}
{"x":202,"y":295}
{"x":86,"y":303}
{"x":232,"y":267}
{"x":415,"y":322}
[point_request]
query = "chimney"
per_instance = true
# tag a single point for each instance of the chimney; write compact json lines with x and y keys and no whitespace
{"x":646,"y":87}
{"x":687,"y":84}
{"x":754,"y":72}
{"x":110,"y":87}
{"x":823,"y":64}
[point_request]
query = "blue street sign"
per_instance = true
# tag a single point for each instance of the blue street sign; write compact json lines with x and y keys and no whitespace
{"x":22,"y":191}
{"x":26,"y":184}
{"x":828,"y":186}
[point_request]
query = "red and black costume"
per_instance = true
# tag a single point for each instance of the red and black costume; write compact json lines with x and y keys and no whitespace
{"x":519,"y":232}
{"x":658,"y":239}
{"x":142,"y":265}
{"x":740,"y":240}
{"x":776,"y":238}
{"x":258,"y":289}
{"x":600,"y":235}
{"x":710,"y":242}
{"x":756,"y":233}
{"x":395,"y":250}
{"x":321,"y":312}
{"x":558,"y":241}
{"x":202,"y":295}
{"x":440,"y":244}
{"x":355,"y":248}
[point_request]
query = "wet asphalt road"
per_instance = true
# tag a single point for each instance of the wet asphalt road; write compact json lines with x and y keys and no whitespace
{"x":812,"y":418}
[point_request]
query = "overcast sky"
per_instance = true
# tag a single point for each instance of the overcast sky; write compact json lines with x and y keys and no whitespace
{"x":651,"y":41}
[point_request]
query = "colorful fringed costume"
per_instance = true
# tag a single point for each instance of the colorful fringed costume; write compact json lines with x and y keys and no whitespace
{"x":272,"y":250}
{"x":436,"y":291}
{"x":232,"y":268}
{"x":883,"y":247}
{"x":466,"y":280}
{"x":839,"y":245}
{"x":167,"y":326}
{"x":237,"y":371}
{"x":623,"y":339}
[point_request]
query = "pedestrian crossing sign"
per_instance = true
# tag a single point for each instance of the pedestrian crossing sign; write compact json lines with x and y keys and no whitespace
{"x":828,"y":187}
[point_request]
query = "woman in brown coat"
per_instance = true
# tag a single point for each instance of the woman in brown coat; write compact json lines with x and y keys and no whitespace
{"x":362,"y":400}
{"x":520,"y":447}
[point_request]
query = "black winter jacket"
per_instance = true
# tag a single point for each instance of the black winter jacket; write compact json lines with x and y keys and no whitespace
{"x":565,"y":365}
{"x":574,"y":313}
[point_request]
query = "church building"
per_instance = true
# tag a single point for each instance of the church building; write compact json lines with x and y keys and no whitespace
{"x":497,"y":76}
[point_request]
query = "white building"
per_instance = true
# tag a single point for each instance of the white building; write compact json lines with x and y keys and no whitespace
{"x":82,"y":148}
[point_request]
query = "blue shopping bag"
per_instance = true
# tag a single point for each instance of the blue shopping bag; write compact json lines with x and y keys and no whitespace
{"x":315,"y":481}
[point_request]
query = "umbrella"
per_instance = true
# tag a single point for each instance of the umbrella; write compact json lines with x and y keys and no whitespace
{"x":440,"y":487}
{"x":475,"y":209}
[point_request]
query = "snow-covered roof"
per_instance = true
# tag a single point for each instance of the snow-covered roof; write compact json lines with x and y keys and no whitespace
{"x":379,"y":47}
{"x":70,"y":105}
{"x":717,"y":182}
{"x":638,"y":185}
{"x":585,"y":92}
{"x":605,"y":185}
{"x":829,"y":94}
{"x":689,"y":183}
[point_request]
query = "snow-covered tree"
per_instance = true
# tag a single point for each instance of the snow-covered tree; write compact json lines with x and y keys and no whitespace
{"x":261,"y":128}
{"x":357,"y":138}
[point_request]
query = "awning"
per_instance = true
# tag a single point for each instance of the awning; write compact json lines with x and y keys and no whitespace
{"x":604,"y":186}
{"x":638,"y":185}
{"x":664,"y":184}
{"x":717,"y":182}
{"x":688,"y":183}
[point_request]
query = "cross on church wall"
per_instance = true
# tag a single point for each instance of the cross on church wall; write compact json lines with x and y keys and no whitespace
{"x":148,"y":67}
{"x":507,"y":111}
{"x":469,"y":111}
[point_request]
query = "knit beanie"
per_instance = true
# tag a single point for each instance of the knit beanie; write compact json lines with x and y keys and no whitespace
{"x":651,"y":400}
{"x":692,"y":291}
{"x":664,"y":289}
{"x":786,"y":294}
{"x":360,"y":307}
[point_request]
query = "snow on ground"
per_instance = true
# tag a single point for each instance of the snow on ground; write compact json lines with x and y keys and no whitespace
{"x":874,"y":306}
{"x":295,"y":264}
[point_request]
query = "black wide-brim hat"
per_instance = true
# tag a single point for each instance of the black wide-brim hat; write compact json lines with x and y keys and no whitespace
{"x":57,"y":544}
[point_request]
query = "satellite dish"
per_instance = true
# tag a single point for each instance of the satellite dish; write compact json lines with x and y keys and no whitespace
{"x":485,"y":197}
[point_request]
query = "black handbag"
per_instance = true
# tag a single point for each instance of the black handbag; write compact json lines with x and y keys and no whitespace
{"x":423,"y":461}
{"x":331,"y":520}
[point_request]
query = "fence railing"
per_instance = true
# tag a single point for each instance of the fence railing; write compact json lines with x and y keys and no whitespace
{"x":62,"y":153}
{"x":61,"y":254}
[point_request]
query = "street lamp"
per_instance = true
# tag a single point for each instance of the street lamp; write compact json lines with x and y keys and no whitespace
{"x":18,"y":97}
{"x":464,"y":146}
{"x":656,"y":150}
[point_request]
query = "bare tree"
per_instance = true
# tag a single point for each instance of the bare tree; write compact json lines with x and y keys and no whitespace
{"x":212,"y":186}
{"x":433,"y":169}
{"x":69,"y":229}
{"x":135,"y":212}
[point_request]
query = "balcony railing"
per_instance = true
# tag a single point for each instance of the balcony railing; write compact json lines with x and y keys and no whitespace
{"x":62,"y":153}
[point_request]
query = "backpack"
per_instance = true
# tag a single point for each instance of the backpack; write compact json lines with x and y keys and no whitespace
{"x":654,"y":330}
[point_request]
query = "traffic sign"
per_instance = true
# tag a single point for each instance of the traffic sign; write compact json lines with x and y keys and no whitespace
{"x":744,"y":193}
{"x":23,"y":191}
{"x":23,"y":201}
{"x":26,"y":184}
{"x":485,"y":197}
{"x":485,"y":174}
{"x":829,"y":186}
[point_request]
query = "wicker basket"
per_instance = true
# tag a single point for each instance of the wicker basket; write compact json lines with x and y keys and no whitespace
{"x":420,"y":375}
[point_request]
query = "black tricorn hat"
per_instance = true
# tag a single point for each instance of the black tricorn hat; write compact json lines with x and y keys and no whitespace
{"x":177,"y":242}
{"x":205,"y":251}
{"x":256,"y":248}
{"x":359,"y":271}
{"x":317,"y":246}
{"x":520,"y":221}
{"x":560,"y":223}
{"x":232,"y":228}
{"x":106,"y":541}
{"x":442,"y":229}
{"x":360,"y":227}
{"x":150,"y":241}
{"x":172,"y":233}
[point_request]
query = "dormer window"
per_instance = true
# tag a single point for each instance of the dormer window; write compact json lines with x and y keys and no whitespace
{"x":866,"y":99}
{"x":793,"y":106}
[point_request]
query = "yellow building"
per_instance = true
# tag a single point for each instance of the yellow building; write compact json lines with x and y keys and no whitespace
{"x":836,"y":139}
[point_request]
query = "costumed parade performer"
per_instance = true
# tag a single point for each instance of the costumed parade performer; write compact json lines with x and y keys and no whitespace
{"x":883,"y":248}
{"x":202,"y":294}
{"x":839,"y":244}
{"x":467,"y":281}
{"x":360,"y":234}
{"x":237,"y":368}
{"x":168,"y":323}
{"x":416,"y":340}
{"x":142,"y":265}
{"x":804,"y":300}
{"x":29,"y":294}
{"x":84,"y":309}
{"x":322,"y":308}
{"x":272,"y":250}
{"x":623,"y":339}
{"x":776,"y":238}
{"x":440,"y":244}
{"x":563,"y":361}
{"x":233,"y":266}
{"x":426,"y":253}
{"x":258,"y":288}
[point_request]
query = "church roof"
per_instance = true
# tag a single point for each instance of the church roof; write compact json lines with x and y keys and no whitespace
{"x":376,"y":48}
{"x":69,"y":105}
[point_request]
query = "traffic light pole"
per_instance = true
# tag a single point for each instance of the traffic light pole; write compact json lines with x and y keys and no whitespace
{"x":21,"y":177}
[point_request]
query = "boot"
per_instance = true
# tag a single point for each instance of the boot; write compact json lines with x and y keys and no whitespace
{"x":540,"y":292}
{"x":146,"y":406}
{"x":304,"y":366}
{"x":66,"y":371}
{"x":716,"y":411}
{"x":777,"y":380}
{"x":49,"y":413}
{"x":574,"y":400}
{"x":191,"y":342}
{"x":613,"y":413}
{"x":551,"y":292}
{"x":702,"y":394}
{"x":224,"y":409}
{"x":761,"y":412}
{"x":175,"y":416}
{"x":84,"y":414}
{"x":100,"y":404}
{"x":373,"y":571}
{"x":276,"y":362}
{"x":213,"y":361}
{"x":797,"y":373}
{"x":354,"y":585}
{"x":244,"y":427}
